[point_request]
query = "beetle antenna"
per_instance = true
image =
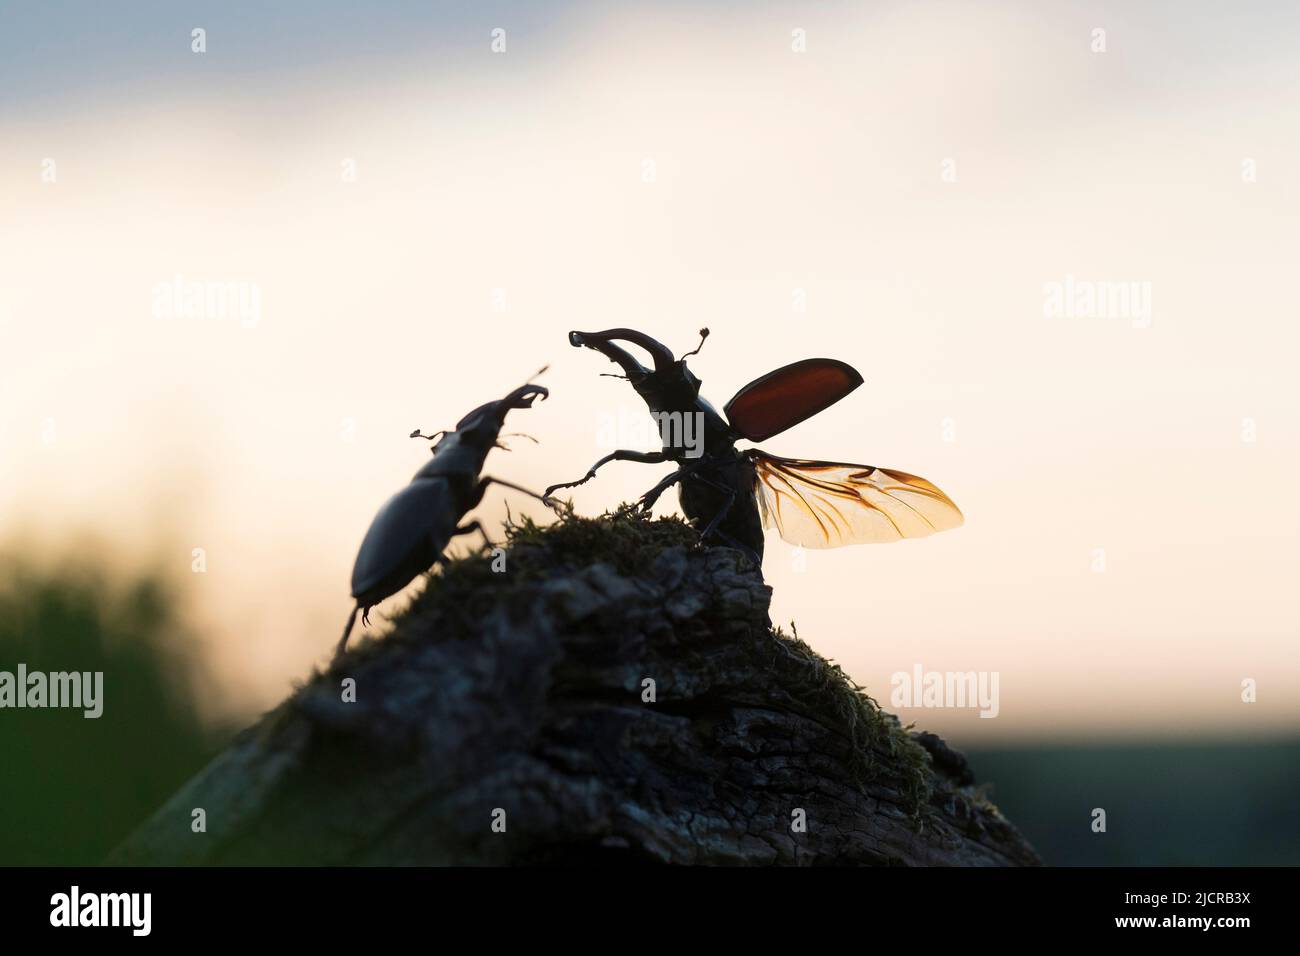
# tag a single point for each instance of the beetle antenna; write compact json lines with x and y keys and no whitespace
{"x":704,"y":334}
{"x":504,"y":447}
{"x":435,"y":435}
{"x":612,"y":375}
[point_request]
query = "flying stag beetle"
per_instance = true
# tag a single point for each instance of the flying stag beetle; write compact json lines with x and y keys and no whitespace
{"x":732,"y":494}
{"x":412,"y":529}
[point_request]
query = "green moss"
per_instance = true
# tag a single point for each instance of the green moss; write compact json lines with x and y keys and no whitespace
{"x":465,"y":588}
{"x":823,"y":686}
{"x":626,"y":539}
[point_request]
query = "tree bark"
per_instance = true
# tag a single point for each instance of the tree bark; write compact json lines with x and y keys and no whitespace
{"x":614,"y":695}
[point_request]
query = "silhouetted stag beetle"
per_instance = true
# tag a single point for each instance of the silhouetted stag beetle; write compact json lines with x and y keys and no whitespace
{"x":731,"y":494}
{"x":411,"y":530}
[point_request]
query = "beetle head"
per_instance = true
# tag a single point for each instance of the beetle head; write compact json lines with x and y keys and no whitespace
{"x":483,"y":424}
{"x":670,"y":385}
{"x":522,"y":397}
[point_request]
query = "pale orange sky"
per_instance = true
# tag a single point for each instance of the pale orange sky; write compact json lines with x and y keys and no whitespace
{"x":774,"y":172}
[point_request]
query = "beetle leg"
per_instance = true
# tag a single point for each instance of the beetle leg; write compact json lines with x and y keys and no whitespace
{"x":745,"y":549}
{"x":489,"y":480}
{"x":722,"y":513}
{"x":712,"y":527}
{"x":471,"y":528}
{"x":645,"y":457}
{"x":650,"y":497}
{"x":347,"y":630}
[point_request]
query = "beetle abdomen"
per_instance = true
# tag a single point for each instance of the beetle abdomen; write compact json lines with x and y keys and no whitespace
{"x":407,"y":536}
{"x":708,"y":491}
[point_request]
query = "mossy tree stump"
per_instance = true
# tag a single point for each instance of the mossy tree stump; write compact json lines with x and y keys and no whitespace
{"x":614,"y":695}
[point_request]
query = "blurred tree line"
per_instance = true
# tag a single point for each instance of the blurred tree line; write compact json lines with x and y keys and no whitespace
{"x":70,"y":787}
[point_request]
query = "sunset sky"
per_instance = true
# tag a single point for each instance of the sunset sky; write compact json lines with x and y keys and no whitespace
{"x":422,"y":220}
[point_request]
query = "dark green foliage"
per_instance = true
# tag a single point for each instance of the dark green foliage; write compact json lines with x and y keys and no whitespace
{"x":1227,"y":802}
{"x":72,"y":787}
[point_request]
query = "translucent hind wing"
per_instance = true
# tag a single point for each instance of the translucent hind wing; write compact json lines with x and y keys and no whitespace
{"x":827,"y":504}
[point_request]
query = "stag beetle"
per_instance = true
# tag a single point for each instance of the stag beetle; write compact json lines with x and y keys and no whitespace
{"x":411,"y":530}
{"x":732,"y":494}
